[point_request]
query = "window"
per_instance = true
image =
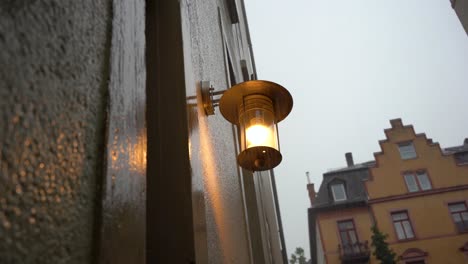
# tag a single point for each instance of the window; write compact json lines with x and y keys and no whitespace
{"x":338,"y":191}
{"x":407,"y":150}
{"x":348,"y":236}
{"x":460,"y":215}
{"x":413,"y":256}
{"x":402,"y":225}
{"x":418,"y":181}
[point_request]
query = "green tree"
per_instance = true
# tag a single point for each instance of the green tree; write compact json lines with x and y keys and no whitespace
{"x":298,"y":257}
{"x":381,"y":249}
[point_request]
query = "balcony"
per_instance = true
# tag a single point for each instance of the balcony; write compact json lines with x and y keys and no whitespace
{"x":355,"y":253}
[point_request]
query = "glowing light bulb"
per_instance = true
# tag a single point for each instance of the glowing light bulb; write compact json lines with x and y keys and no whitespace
{"x":258,"y":135}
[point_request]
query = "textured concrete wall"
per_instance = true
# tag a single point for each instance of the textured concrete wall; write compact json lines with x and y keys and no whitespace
{"x":218,"y":198}
{"x":53,"y":84}
{"x":230,"y":227}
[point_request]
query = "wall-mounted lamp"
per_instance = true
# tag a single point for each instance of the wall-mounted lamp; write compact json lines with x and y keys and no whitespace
{"x":255,"y":107}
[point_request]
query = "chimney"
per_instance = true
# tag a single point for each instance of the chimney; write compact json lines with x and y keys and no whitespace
{"x":311,"y":190}
{"x":465,"y":142}
{"x":349,"y":159}
{"x":396,"y":123}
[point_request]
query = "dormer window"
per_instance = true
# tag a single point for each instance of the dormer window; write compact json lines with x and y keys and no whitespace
{"x":407,"y":150}
{"x":338,"y":191}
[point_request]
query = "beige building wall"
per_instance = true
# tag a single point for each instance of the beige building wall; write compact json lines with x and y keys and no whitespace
{"x":327,"y":223}
{"x":387,"y":176}
{"x":432,"y":224}
{"x":320,"y":252}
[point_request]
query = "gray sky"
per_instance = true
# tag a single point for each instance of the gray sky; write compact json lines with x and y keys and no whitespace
{"x":351,"y":66}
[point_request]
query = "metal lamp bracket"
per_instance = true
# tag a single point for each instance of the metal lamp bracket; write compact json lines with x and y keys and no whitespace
{"x":208,"y":97}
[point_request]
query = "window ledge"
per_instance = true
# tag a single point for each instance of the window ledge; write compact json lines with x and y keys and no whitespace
{"x":421,"y":191}
{"x":407,"y":239}
{"x":410,"y":158}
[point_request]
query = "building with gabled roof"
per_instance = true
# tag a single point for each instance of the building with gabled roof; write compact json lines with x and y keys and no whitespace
{"x":461,"y":10}
{"x":418,"y":194}
{"x":341,"y":201}
{"x":414,"y":191}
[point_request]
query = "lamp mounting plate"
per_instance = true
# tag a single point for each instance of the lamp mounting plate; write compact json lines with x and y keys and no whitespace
{"x":207,"y":97}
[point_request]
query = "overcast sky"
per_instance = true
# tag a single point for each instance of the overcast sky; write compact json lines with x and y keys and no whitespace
{"x":351,"y":66}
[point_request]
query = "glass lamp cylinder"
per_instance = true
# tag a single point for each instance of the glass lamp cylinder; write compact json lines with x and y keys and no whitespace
{"x":259,"y":137}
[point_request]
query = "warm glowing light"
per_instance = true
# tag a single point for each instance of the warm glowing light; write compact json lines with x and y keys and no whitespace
{"x":256,"y":107}
{"x":259,"y":135}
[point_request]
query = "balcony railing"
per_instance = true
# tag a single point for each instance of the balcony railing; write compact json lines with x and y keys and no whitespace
{"x":354,"y":253}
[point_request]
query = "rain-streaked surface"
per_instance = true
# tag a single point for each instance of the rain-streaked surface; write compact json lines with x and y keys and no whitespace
{"x":217,"y":196}
{"x":124,"y":188}
{"x":53,"y":84}
{"x":219,"y":199}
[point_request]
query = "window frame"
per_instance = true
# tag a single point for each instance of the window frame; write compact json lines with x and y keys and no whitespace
{"x":403,"y":143}
{"x":414,"y":174}
{"x":408,"y":219}
{"x":352,"y":246}
{"x":423,"y":172}
{"x":465,"y":223}
{"x":333,"y":192}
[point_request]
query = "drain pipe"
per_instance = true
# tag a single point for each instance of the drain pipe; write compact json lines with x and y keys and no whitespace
{"x":278,"y":216}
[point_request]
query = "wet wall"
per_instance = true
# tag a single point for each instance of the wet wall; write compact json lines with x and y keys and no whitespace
{"x":234,"y":214}
{"x":73,"y":138}
{"x":169,"y":234}
{"x":123,"y":217}
{"x":221,"y":233}
{"x":54,"y":73}
{"x":73,"y":132}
